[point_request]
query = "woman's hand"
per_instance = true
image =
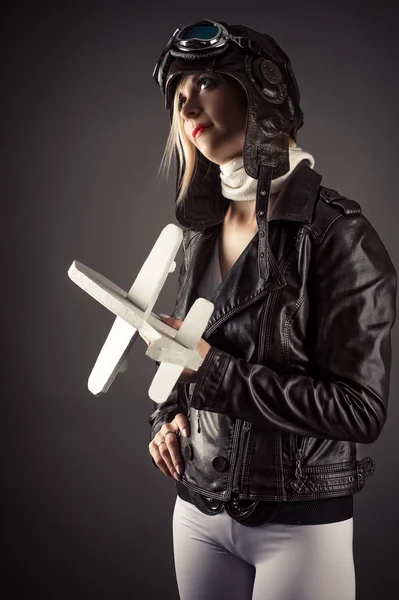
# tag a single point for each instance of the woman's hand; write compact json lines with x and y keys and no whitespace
{"x":187,"y":375}
{"x":165,"y":449}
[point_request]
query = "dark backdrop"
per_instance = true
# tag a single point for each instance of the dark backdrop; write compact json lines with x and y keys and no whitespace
{"x":86,"y":515}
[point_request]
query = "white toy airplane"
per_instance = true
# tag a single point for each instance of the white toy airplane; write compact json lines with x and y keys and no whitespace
{"x":174,"y":349}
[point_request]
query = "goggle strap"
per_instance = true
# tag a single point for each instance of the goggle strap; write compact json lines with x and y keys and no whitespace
{"x":201,"y":54}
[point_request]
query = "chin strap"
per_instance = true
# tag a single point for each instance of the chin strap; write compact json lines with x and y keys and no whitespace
{"x":262,"y":202}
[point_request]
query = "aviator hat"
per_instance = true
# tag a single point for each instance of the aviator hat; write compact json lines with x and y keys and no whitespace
{"x":274,"y":115}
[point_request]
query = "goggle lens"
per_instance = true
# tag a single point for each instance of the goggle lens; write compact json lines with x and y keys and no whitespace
{"x":199,"y":32}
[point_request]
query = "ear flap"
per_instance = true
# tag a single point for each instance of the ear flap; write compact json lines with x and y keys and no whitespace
{"x":267,"y":78}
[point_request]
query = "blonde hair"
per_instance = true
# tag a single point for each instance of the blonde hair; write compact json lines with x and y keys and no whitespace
{"x":178,"y":142}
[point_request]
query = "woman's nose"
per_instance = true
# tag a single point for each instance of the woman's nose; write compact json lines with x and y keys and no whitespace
{"x":190,"y":108}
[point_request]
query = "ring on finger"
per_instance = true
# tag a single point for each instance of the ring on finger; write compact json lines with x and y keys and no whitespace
{"x":160,"y":443}
{"x":169,"y":432}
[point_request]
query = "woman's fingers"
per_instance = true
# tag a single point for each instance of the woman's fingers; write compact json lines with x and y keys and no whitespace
{"x":182,"y":424}
{"x":171,"y":321}
{"x":165,"y":448}
{"x":170,"y":451}
{"x":158,"y":456}
{"x":171,"y":456}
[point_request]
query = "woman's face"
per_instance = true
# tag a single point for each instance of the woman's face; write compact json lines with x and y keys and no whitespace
{"x":205,"y":99}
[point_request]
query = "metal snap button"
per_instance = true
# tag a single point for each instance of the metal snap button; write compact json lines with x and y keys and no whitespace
{"x":188,"y":452}
{"x":220,"y":464}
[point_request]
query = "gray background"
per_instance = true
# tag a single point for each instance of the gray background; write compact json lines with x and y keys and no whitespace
{"x":86,"y":515}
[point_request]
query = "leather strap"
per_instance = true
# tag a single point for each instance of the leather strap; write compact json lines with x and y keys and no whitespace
{"x":262,"y":202}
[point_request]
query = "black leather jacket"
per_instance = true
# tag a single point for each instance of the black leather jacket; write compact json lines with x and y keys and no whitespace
{"x":299,"y":366}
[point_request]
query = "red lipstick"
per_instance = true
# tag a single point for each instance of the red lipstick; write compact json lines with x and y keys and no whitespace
{"x":199,"y":129}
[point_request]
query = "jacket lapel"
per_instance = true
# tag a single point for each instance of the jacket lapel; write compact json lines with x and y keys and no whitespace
{"x":242,"y":285}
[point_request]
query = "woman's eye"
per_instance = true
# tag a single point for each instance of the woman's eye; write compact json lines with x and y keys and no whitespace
{"x":199,"y":83}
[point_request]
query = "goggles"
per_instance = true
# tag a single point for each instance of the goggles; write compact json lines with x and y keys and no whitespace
{"x":198,"y":40}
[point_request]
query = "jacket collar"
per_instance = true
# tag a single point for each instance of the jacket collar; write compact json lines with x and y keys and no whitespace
{"x":297,"y":199}
{"x":205,"y":206}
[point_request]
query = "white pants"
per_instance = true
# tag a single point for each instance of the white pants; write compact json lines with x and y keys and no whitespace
{"x":216,"y":558}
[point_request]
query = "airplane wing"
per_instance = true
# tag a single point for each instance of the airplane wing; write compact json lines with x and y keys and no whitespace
{"x":116,"y":300}
{"x":135,"y":305}
{"x":163,"y":381}
{"x":112,"y":357}
{"x":152,"y":275}
{"x":180,"y":352}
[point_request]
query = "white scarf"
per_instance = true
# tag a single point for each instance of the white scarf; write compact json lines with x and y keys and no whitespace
{"x":237,"y":185}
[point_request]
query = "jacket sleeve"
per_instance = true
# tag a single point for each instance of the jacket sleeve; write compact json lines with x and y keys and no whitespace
{"x":352,"y":298}
{"x":167,"y":411}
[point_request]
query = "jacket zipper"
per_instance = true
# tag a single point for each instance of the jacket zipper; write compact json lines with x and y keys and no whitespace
{"x":234,"y":452}
{"x":244,"y":427}
{"x":263,"y":321}
{"x":217,"y":324}
{"x":299,"y":454}
{"x":320,"y":469}
{"x":266,"y":328}
{"x":267,"y":316}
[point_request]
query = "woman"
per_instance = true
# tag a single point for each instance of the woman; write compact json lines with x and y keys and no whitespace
{"x":262,"y":438}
